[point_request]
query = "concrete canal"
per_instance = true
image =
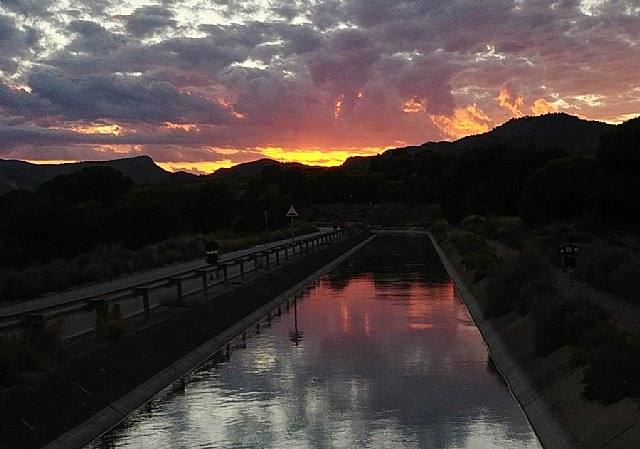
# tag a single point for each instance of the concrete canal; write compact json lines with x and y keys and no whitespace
{"x":378,"y":353}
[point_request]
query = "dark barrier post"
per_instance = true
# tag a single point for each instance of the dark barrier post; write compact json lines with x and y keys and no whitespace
{"x":178,"y":283}
{"x":144,"y":292}
{"x":241,"y":263}
{"x":277,"y":256}
{"x":205,"y":284}
{"x":223,"y":267}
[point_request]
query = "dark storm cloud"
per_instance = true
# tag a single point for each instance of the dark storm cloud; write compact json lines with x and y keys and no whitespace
{"x":93,"y":39}
{"x":14,"y":42}
{"x":109,"y":97}
{"x":31,"y":8}
{"x":341,"y":74}
{"x":148,"y":20}
{"x":347,"y":62}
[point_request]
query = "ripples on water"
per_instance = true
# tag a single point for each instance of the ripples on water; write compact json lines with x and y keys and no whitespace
{"x":388,"y":358}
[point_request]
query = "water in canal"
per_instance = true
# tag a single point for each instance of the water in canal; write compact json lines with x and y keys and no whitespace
{"x":379,"y":353}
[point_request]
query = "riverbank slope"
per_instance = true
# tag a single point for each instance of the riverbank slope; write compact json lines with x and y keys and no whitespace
{"x":548,"y":388}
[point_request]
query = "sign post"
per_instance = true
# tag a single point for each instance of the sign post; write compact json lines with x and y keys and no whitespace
{"x":292,"y":213}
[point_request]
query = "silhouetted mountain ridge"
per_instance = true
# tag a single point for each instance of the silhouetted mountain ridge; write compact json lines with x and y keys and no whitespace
{"x":24,"y":175}
{"x":558,"y":130}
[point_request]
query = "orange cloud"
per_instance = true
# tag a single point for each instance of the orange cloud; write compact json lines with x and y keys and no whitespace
{"x":186,"y":127}
{"x":504,"y":100}
{"x":93,"y":128}
{"x":337,"y":109}
{"x":224,"y":103}
{"x":464,"y":122}
{"x":314,"y":156}
{"x":414,"y":105}
{"x":542,"y":106}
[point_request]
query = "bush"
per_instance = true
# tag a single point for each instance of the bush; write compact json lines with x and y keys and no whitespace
{"x":476,"y":224}
{"x":613,"y":370}
{"x":596,"y":267}
{"x":624,"y":280}
{"x":564,"y":321}
{"x":535,"y":294}
{"x":503,"y":289}
{"x":18,"y":285}
{"x":25,"y":351}
{"x":440,"y":229}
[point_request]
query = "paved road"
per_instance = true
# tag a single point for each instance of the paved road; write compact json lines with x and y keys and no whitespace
{"x":129,"y":281}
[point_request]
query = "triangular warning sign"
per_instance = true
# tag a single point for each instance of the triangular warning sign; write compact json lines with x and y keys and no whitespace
{"x":292,"y":212}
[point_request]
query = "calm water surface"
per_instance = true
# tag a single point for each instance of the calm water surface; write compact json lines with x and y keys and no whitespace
{"x":379,"y":353}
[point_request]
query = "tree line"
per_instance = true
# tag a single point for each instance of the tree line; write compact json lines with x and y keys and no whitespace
{"x":99,"y":206}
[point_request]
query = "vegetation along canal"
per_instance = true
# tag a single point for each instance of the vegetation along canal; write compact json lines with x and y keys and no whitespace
{"x":380,"y":352}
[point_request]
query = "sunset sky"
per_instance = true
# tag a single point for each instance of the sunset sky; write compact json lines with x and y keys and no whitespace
{"x":203,"y":84}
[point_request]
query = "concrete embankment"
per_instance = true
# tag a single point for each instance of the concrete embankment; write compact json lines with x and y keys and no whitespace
{"x":549,"y":388}
{"x":87,"y":395}
{"x":549,"y":431}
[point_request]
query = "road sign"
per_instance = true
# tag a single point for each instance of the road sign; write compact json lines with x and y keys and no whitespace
{"x":292,"y":212}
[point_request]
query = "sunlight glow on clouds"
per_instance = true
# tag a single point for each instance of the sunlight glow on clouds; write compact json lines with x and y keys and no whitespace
{"x":312,"y":81}
{"x":464,"y":122}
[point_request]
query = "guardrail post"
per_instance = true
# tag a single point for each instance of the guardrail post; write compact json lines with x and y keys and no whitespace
{"x":241,"y":263}
{"x":223,"y":267}
{"x":178,"y":283}
{"x":277,"y":256}
{"x":266,"y":260}
{"x":144,"y":292}
{"x":205,"y":283}
{"x":254,"y":257}
{"x":306,"y":247}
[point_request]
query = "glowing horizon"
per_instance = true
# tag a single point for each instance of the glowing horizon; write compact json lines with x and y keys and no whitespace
{"x":200,"y":86}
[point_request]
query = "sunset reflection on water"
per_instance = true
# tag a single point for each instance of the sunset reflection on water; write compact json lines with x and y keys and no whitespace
{"x":389,"y":358}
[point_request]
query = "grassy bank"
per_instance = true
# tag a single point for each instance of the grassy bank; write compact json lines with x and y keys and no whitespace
{"x":582,"y":365}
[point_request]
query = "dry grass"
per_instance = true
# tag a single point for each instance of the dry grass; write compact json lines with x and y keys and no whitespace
{"x":110,"y":262}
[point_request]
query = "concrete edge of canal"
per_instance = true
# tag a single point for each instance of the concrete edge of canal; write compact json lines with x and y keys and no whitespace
{"x":550,"y":433}
{"x":116,"y":412}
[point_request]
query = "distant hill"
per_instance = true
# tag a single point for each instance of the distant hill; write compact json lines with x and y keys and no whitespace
{"x":24,"y":175}
{"x":558,"y":130}
{"x":254,"y":168}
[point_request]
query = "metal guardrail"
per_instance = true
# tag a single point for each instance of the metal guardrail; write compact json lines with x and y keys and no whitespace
{"x":38,"y":317}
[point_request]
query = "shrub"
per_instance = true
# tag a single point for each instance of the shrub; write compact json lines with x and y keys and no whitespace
{"x":564,"y":321}
{"x":535,"y":294}
{"x":24,"y":351}
{"x":440,"y":229}
{"x":613,"y":370}
{"x":476,"y":224}
{"x":467,"y":242}
{"x":598,"y":265}
{"x":624,"y":280}
{"x":18,"y":285}
{"x":503,"y":289}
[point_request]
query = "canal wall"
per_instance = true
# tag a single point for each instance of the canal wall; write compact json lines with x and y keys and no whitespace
{"x":83,"y":398}
{"x":550,"y":432}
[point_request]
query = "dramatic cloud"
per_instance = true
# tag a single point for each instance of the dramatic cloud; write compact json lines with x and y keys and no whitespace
{"x":207,"y":84}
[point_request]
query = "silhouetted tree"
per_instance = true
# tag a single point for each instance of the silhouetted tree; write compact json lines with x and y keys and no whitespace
{"x":101,"y":184}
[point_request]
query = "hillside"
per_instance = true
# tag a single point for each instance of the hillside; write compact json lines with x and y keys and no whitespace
{"x":24,"y":175}
{"x":563,"y":131}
